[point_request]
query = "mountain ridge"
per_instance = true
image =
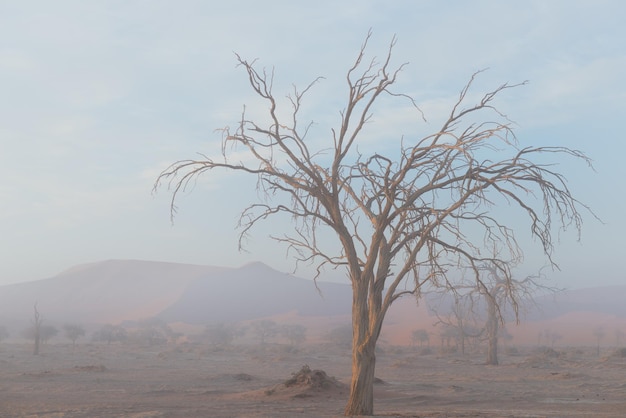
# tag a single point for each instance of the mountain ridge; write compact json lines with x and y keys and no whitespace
{"x":112,"y":291}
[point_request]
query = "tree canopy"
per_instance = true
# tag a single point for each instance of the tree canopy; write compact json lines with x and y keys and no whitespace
{"x":413,"y":217}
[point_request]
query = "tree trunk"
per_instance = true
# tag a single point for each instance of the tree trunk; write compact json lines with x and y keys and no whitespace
{"x":365,"y":310}
{"x":361,"y":400}
{"x":36,"y":347}
{"x":492,"y":351}
{"x":492,"y":333}
{"x":462,"y":338}
{"x":37,"y":328}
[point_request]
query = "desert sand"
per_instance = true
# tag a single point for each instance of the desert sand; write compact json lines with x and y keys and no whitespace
{"x":202,"y":380}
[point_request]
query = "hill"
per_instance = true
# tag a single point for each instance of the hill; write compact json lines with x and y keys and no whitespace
{"x":102,"y":292}
{"x":128,"y":290}
{"x":253,"y":291}
{"x":116,"y":290}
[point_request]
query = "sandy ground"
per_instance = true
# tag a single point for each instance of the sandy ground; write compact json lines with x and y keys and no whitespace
{"x":249,"y":381}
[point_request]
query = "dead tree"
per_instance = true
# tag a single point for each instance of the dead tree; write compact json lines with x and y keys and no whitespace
{"x":36,"y":321}
{"x":402,"y":217}
{"x":598,"y":333}
{"x":74,"y":332}
{"x":264,"y":329}
{"x":420,"y":335}
{"x":459,"y":318}
{"x":502,"y":292}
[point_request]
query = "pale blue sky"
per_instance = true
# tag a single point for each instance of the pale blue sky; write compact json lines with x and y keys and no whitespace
{"x":99,"y":96}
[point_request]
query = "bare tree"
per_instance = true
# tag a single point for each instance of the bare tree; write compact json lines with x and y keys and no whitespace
{"x":447,"y":333}
{"x":420,"y":335}
{"x":154,"y":331}
{"x":599,"y":333}
{"x":403,"y":219}
{"x":74,"y":332}
{"x":459,"y":319}
{"x":36,"y":326}
{"x":110,"y":333}
{"x":552,"y":337}
{"x":486,"y":302}
{"x":48,"y":331}
{"x":264,"y":329}
{"x":500,"y":293}
{"x":223,"y":333}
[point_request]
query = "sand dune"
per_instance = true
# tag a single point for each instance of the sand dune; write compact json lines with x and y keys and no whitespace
{"x":126,"y":290}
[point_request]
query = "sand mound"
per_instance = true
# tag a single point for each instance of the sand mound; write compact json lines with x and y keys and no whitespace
{"x":312,"y":379}
{"x":305,"y":383}
{"x":243,"y":377}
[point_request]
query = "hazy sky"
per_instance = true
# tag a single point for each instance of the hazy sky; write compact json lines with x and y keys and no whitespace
{"x":97,"y":97}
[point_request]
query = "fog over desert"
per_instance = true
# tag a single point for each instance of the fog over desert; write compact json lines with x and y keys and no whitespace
{"x":175,"y":175}
{"x":176,"y":340}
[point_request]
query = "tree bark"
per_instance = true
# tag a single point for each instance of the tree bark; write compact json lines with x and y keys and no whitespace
{"x":361,"y":400}
{"x":461,"y":334}
{"x":364,"y":337}
{"x":492,"y":333}
{"x":36,"y":347}
{"x":37,"y":328}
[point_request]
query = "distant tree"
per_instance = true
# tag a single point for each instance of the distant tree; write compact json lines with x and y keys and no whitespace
{"x":147,"y":336}
{"x":294,"y":333}
{"x":480,"y":306}
{"x":420,"y":335}
{"x":405,"y":215}
{"x":73,"y":332}
{"x":264,"y":329}
{"x":154,"y":331}
{"x":447,"y":334}
{"x":494,"y":294}
{"x":223,"y":334}
{"x":111,"y":333}
{"x":551,"y":337}
{"x":36,"y":329}
{"x":40,"y":335}
{"x":499,"y":293}
{"x":459,"y":319}
{"x":47,"y":332}
{"x":599,"y":333}
{"x":340,"y":336}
